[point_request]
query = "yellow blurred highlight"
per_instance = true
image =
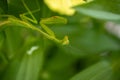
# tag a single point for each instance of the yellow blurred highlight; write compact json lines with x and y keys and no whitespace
{"x":63,"y":7}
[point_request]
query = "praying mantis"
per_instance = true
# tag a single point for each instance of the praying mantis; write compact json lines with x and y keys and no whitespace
{"x":26,"y":22}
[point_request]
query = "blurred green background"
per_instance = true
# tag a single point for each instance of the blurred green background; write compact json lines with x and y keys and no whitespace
{"x":92,"y":54}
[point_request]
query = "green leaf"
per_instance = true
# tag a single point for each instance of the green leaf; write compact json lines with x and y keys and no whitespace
{"x":3,"y":6}
{"x":99,"y":14}
{"x":12,"y":41}
{"x":60,"y":65}
{"x":85,"y":40}
{"x":100,"y":71}
{"x":1,"y":39}
{"x":30,"y":66}
{"x":27,"y":64}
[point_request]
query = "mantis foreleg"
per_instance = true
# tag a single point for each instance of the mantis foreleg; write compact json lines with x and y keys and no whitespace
{"x":25,"y":18}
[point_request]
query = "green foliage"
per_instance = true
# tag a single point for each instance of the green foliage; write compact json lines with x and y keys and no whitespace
{"x":30,"y":33}
{"x":99,"y":14}
{"x":96,"y":72}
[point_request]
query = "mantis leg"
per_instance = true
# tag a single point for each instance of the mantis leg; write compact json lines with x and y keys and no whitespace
{"x":25,"y":18}
{"x":6,"y":21}
{"x":52,"y":20}
{"x":48,"y":30}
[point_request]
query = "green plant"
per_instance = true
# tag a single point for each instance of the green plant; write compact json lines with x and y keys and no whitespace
{"x":30,"y":48}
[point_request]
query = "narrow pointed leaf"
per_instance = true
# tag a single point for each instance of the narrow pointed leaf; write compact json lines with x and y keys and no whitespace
{"x":99,"y":71}
{"x":104,"y":15}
